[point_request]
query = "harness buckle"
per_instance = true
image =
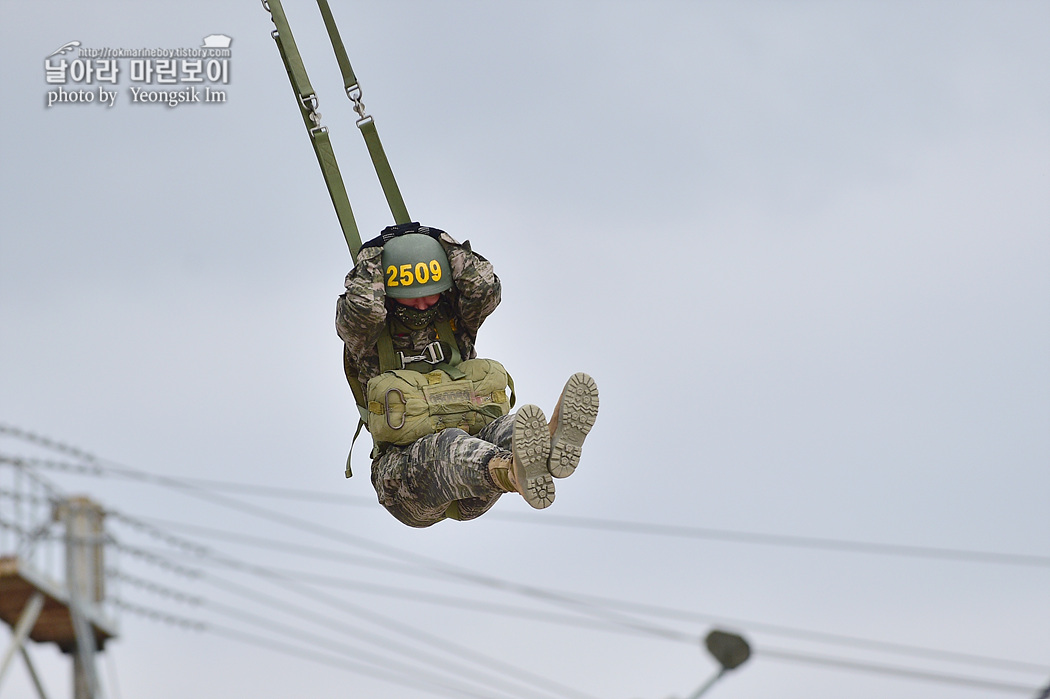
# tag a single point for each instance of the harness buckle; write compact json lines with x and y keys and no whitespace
{"x":433,"y":353}
{"x":310,"y":104}
{"x":356,"y":96}
{"x":436,"y":352}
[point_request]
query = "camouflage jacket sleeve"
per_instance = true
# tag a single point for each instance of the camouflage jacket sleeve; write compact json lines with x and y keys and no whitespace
{"x":360,"y":312}
{"x":478,"y":287}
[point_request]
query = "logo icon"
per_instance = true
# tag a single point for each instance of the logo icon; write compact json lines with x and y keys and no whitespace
{"x":216,"y":41}
{"x":66,"y":48}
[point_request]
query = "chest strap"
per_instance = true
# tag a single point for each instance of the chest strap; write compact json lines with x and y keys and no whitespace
{"x":434,"y":355}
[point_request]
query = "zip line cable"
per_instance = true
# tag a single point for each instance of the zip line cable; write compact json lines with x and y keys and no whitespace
{"x":416,"y":595}
{"x":435,"y":565}
{"x":808,"y":542}
{"x":484,"y":680}
{"x":159,"y":560}
{"x":155,"y":588}
{"x":903,"y":672}
{"x":438,"y":566}
{"x":304,"y":550}
{"x":322,"y":657}
{"x":275,"y":603}
{"x":54,"y":445}
{"x":908,"y":673}
{"x":825,"y":637}
{"x":161,"y":616}
{"x":326,"y":620}
{"x":385,"y":622}
{"x":441,"y":643}
{"x":575,"y":603}
{"x":834,"y":662}
{"x":876,"y":668}
{"x":198,"y":550}
{"x":632,"y":607}
{"x":402,"y":668}
{"x":627,"y":527}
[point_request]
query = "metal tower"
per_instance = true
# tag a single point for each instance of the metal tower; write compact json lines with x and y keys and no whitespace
{"x":65,"y":608}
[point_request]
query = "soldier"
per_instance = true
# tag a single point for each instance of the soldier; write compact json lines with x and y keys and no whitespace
{"x":415,"y":300}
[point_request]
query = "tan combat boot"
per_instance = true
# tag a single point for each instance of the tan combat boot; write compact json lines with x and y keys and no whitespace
{"x":525,"y":470}
{"x":573,"y":418}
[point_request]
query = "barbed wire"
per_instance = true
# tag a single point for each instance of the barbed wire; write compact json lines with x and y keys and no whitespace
{"x":24,"y":466}
{"x":626,"y":622}
{"x":158,"y":615}
{"x":157,"y":533}
{"x":324,"y":658}
{"x":435,"y":566}
{"x":26,"y":497}
{"x":401,"y":669}
{"x":155,"y":588}
{"x":54,"y":445}
{"x":155,"y":559}
{"x":818,"y":659}
{"x":577,"y":621}
{"x":628,"y":527}
{"x":766,"y":652}
{"x":388,"y":624}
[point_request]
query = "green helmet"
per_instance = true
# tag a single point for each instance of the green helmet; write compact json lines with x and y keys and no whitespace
{"x":415,"y":265}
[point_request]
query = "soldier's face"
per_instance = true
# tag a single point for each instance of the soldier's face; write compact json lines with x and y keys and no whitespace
{"x":422,"y":303}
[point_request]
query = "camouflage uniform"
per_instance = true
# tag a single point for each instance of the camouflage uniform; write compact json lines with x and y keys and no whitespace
{"x":442,"y":474}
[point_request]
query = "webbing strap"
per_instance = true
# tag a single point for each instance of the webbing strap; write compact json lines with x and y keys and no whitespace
{"x":349,"y":79}
{"x":336,"y":189}
{"x":351,"y":378}
{"x":389,"y":359}
{"x":289,"y":51}
{"x":360,"y":423}
{"x":385,"y":346}
{"x":383,"y":171}
{"x":444,"y":332}
{"x":366,"y":124}
{"x":307,"y":101}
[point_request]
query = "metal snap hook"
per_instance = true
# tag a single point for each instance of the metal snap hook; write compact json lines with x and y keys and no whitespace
{"x":386,"y":408}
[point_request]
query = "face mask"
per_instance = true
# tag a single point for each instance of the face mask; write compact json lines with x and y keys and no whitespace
{"x":415,"y":319}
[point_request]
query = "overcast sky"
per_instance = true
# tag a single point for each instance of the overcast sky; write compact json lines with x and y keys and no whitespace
{"x":802,"y":247}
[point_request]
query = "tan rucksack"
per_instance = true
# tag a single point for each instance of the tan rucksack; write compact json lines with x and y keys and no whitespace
{"x":404,"y":405}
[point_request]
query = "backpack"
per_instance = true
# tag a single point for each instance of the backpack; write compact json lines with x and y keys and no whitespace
{"x":400,"y":405}
{"x":404,"y":405}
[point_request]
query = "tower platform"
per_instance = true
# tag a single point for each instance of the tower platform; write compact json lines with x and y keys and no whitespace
{"x":18,"y":584}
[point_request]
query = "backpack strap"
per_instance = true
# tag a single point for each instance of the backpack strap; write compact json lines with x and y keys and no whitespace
{"x":389,"y":359}
{"x":360,"y":424}
{"x":359,"y":399}
{"x":391,"y":232}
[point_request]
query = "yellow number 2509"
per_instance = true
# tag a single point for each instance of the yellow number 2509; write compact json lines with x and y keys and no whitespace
{"x":407,"y":275}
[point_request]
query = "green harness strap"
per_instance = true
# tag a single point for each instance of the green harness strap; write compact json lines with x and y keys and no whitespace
{"x":365,"y":123}
{"x":389,"y":359}
{"x":306,"y":98}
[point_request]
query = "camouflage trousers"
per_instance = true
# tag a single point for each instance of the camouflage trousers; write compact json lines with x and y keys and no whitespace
{"x":442,"y":475}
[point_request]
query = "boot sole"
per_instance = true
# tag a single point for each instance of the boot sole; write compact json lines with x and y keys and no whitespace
{"x":531,"y":446}
{"x":579,"y":409}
